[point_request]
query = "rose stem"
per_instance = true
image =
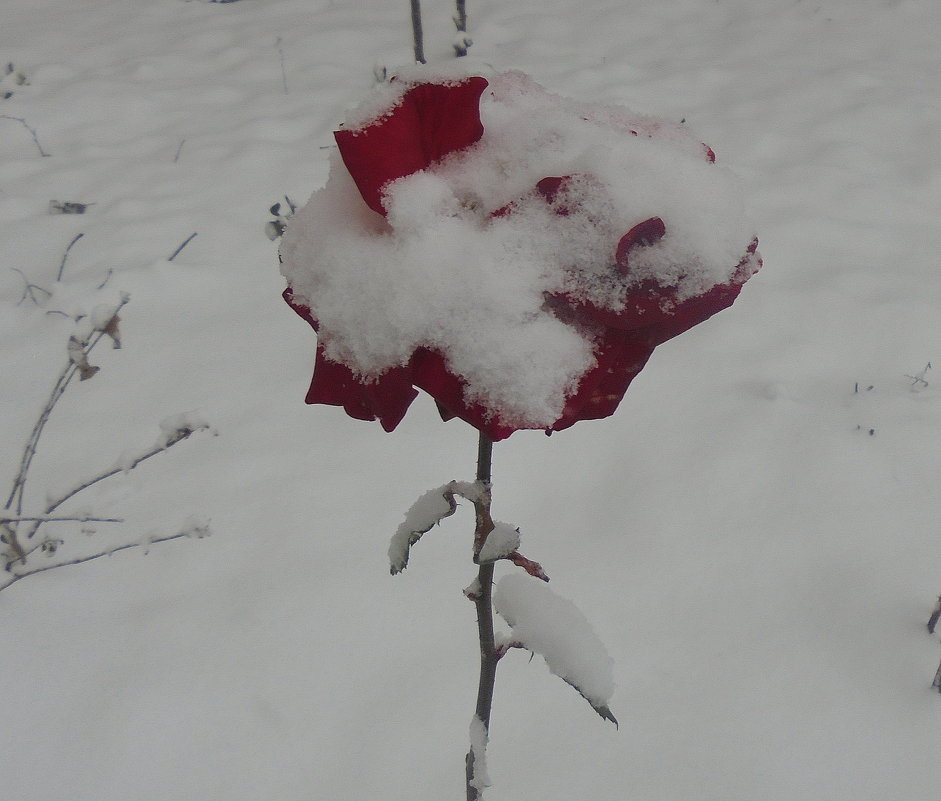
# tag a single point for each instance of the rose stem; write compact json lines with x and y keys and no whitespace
{"x":483,"y":601}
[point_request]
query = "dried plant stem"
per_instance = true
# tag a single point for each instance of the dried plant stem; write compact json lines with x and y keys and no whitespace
{"x":30,"y":289}
{"x":185,"y":242}
{"x":66,"y":256}
{"x":32,"y":132}
{"x":125,"y":468}
{"x":12,"y":578}
{"x":14,"y":501}
{"x":483,"y":601}
{"x":417,"y":35}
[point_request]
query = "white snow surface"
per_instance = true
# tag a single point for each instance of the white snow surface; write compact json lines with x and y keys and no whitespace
{"x":444,"y":273}
{"x":553,"y":627}
{"x":759,"y":566}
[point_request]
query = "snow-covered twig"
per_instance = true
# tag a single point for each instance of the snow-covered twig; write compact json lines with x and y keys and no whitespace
{"x":15,"y":499}
{"x":194,"y":529}
{"x":461,"y":41}
{"x":18,"y":530}
{"x":173,"y":431}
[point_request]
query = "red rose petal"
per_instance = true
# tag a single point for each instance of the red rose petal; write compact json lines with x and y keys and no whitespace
{"x":431,"y":121}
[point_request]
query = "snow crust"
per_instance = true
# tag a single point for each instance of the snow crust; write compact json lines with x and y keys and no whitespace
{"x":554,"y":628}
{"x":469,"y":249}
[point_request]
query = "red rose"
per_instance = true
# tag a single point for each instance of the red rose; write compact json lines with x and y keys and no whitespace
{"x":427,"y":123}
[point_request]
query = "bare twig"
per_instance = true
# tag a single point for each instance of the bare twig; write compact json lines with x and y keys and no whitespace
{"x":181,"y":434}
{"x":14,"y":576}
{"x":48,"y":519}
{"x":30,"y":288}
{"x":66,"y":255}
{"x":15,"y":499}
{"x":106,"y":278}
{"x":417,"y":35}
{"x":31,"y":130}
{"x":182,"y":245}
{"x":919,"y":379}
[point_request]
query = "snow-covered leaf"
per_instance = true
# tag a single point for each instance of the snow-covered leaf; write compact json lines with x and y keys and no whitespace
{"x":429,"y":510}
{"x":554,"y":628}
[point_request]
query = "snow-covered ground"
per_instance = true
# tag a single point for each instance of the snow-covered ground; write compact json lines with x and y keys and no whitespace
{"x":753,"y":535}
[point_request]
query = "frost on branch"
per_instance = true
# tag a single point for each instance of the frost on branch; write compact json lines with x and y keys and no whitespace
{"x":553,"y":627}
{"x":429,"y":510}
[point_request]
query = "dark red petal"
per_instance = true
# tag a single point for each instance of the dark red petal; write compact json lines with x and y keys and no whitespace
{"x":620,"y":357}
{"x":694,"y":311}
{"x":334,"y":384}
{"x":431,"y":373}
{"x":386,"y":398}
{"x":641,"y":235}
{"x":431,"y":121}
{"x":643,"y":307}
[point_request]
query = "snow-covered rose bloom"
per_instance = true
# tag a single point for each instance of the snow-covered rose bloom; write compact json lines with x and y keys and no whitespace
{"x":516,"y":255}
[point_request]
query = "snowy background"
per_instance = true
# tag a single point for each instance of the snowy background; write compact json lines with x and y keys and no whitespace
{"x":753,"y":535}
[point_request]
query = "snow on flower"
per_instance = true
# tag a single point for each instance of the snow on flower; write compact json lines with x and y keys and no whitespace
{"x":515,"y":254}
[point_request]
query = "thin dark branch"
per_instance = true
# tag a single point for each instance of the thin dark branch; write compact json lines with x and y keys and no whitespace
{"x":12,"y":579}
{"x":66,"y":255}
{"x":29,"y":288}
{"x":47,"y":519}
{"x":31,"y":130}
{"x":182,"y":245}
{"x":55,"y":504}
{"x":15,"y":498}
{"x":417,"y":35}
